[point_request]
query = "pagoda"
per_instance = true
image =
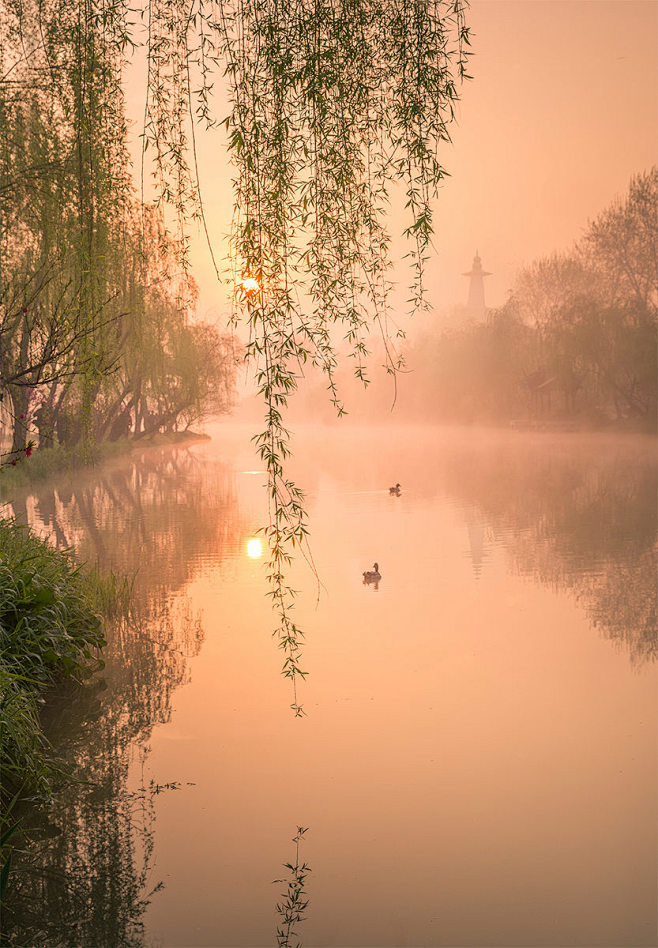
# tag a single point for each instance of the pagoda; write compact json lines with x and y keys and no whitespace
{"x":475,"y":304}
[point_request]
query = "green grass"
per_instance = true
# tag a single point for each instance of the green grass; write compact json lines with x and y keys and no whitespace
{"x":110,"y":592}
{"x":49,"y":625}
{"x":50,"y":631}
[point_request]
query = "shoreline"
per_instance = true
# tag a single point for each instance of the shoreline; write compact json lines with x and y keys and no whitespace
{"x":45,"y":463}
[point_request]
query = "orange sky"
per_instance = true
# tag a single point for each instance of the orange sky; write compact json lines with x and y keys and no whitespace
{"x":562,"y":110}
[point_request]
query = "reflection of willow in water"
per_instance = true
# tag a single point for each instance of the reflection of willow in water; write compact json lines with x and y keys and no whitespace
{"x":158,"y":514}
{"x":84,"y":878}
{"x":574,"y":519}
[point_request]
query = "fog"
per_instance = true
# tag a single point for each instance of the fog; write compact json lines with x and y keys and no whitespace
{"x":477,"y":764}
{"x":378,"y":590}
{"x":561,"y":112}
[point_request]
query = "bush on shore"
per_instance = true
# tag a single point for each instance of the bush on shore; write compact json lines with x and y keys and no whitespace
{"x":49,"y":630}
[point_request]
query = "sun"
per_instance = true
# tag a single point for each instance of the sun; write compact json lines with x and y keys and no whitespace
{"x":250,"y":286}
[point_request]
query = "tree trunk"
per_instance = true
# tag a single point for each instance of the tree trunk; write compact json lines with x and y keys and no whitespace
{"x":19,"y":400}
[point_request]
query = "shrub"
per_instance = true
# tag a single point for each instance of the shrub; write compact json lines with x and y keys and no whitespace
{"x":49,"y":630}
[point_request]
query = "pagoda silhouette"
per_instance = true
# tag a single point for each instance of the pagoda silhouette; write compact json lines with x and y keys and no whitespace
{"x":475,"y":305}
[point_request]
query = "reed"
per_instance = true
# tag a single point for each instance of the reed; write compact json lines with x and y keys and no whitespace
{"x":111,"y":592}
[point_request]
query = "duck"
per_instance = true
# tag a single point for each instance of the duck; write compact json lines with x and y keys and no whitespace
{"x":372,"y":575}
{"x":394,"y":490}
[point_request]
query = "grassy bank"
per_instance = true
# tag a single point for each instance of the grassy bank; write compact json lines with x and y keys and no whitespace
{"x":50,"y":613}
{"x":50,"y":631}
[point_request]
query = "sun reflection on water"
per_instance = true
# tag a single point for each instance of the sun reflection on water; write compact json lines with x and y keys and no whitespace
{"x":254,"y":548}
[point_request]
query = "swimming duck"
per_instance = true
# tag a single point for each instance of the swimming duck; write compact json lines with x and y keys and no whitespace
{"x":372,"y":575}
{"x":394,"y":490}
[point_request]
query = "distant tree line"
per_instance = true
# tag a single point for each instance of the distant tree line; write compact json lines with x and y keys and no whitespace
{"x":96,"y":335}
{"x":574,"y":343}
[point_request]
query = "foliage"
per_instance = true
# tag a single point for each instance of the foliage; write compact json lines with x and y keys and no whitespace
{"x":64,"y":183}
{"x":332,"y":105}
{"x":48,"y":629}
{"x":110,"y":591}
{"x":87,"y":874}
{"x":621,"y":245}
{"x":47,"y":621}
{"x":14,"y":458}
{"x":294,"y":901}
{"x":50,"y":632}
{"x":576,"y":341}
{"x":95,"y":340}
{"x":331,"y":102}
{"x":170,"y":372}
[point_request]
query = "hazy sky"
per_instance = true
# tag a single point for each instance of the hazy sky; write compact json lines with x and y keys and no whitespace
{"x":562,"y":110}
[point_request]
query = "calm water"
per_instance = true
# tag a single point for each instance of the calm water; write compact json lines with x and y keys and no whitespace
{"x":477,"y":766}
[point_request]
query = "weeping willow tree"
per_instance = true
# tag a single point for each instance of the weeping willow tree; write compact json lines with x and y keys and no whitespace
{"x":93,"y":325}
{"x":64,"y":187}
{"x":334,"y":106}
{"x":333,"y":102}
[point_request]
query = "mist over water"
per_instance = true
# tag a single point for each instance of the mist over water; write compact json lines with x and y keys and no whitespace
{"x":441,"y":219}
{"x":478,"y":761}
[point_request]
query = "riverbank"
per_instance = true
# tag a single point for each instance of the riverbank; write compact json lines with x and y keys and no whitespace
{"x":51,"y":608}
{"x":50,"y":630}
{"x":48,"y":462}
{"x":52,"y":613}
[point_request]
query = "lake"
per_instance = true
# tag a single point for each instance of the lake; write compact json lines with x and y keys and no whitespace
{"x":477,"y":763}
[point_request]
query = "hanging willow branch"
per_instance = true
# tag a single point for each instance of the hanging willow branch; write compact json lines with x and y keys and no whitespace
{"x":333,"y":104}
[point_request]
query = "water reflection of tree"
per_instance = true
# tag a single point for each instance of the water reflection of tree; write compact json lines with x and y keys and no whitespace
{"x":84,"y":877}
{"x":155,"y":515}
{"x":574,"y":518}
